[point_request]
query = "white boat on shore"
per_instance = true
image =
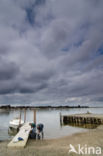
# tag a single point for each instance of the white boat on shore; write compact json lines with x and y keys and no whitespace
{"x":16,"y":123}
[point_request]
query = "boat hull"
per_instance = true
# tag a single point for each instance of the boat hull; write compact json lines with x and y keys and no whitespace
{"x":15,"y":124}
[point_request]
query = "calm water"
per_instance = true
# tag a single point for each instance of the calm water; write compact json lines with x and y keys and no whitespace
{"x":49,"y":117}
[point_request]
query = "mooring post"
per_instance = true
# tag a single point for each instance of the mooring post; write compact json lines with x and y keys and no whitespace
{"x":61,"y":119}
{"x":35,"y":116}
{"x":24,"y":115}
{"x":20,"y":118}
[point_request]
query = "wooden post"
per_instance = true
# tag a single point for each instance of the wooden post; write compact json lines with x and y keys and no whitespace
{"x":35,"y":116}
{"x":61,"y":121}
{"x":24,"y":115}
{"x":20,"y":118}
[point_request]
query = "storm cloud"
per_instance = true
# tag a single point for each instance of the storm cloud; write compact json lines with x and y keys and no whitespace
{"x":51,"y":52}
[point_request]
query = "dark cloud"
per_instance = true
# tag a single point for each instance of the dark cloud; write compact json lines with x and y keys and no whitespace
{"x":8,"y":70}
{"x":51,"y":52}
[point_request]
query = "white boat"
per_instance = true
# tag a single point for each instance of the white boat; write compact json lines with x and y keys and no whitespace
{"x":15,"y":123}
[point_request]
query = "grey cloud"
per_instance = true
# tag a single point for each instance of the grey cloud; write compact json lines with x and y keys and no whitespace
{"x":40,"y":76}
{"x":8,"y":70}
{"x":32,"y":88}
{"x":50,"y":51}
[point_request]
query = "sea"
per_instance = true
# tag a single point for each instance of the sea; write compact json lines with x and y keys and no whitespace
{"x":49,"y":117}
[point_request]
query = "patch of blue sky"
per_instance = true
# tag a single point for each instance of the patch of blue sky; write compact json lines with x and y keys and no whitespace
{"x":97,"y":53}
{"x":100,"y":51}
{"x":78,"y":43}
{"x":31,"y":13}
{"x":75,"y":44}
{"x":65,"y":49}
{"x":40,"y":2}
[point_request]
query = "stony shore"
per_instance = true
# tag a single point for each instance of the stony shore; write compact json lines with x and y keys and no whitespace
{"x":57,"y":147}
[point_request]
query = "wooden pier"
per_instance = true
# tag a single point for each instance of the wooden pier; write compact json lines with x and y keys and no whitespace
{"x":82,"y":119}
{"x":24,"y":134}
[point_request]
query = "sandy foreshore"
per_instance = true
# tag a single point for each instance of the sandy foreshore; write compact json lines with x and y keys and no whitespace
{"x":57,"y":147}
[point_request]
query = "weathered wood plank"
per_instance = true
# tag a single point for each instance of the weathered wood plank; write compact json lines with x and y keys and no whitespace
{"x":23,"y":133}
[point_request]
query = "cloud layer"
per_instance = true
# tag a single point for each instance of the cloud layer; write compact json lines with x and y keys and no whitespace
{"x":51,"y":52}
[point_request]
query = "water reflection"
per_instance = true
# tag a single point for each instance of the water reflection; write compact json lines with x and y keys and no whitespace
{"x":4,"y":111}
{"x":81,"y":125}
{"x":12,"y":131}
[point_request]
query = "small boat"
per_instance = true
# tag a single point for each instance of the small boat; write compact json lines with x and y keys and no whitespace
{"x":16,"y":123}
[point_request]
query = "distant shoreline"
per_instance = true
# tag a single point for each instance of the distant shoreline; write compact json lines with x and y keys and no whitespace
{"x":44,"y":107}
{"x":39,"y":107}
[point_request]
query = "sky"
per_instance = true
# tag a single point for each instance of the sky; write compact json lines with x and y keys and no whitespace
{"x":51,"y":52}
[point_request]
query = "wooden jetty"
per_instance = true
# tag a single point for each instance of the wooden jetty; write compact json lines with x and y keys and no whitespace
{"x":24,"y":134}
{"x":87,"y":118}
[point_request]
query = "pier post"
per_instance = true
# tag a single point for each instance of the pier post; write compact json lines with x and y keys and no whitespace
{"x":24,"y":115}
{"x":61,"y":119}
{"x":20,"y":118}
{"x":35,"y":116}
